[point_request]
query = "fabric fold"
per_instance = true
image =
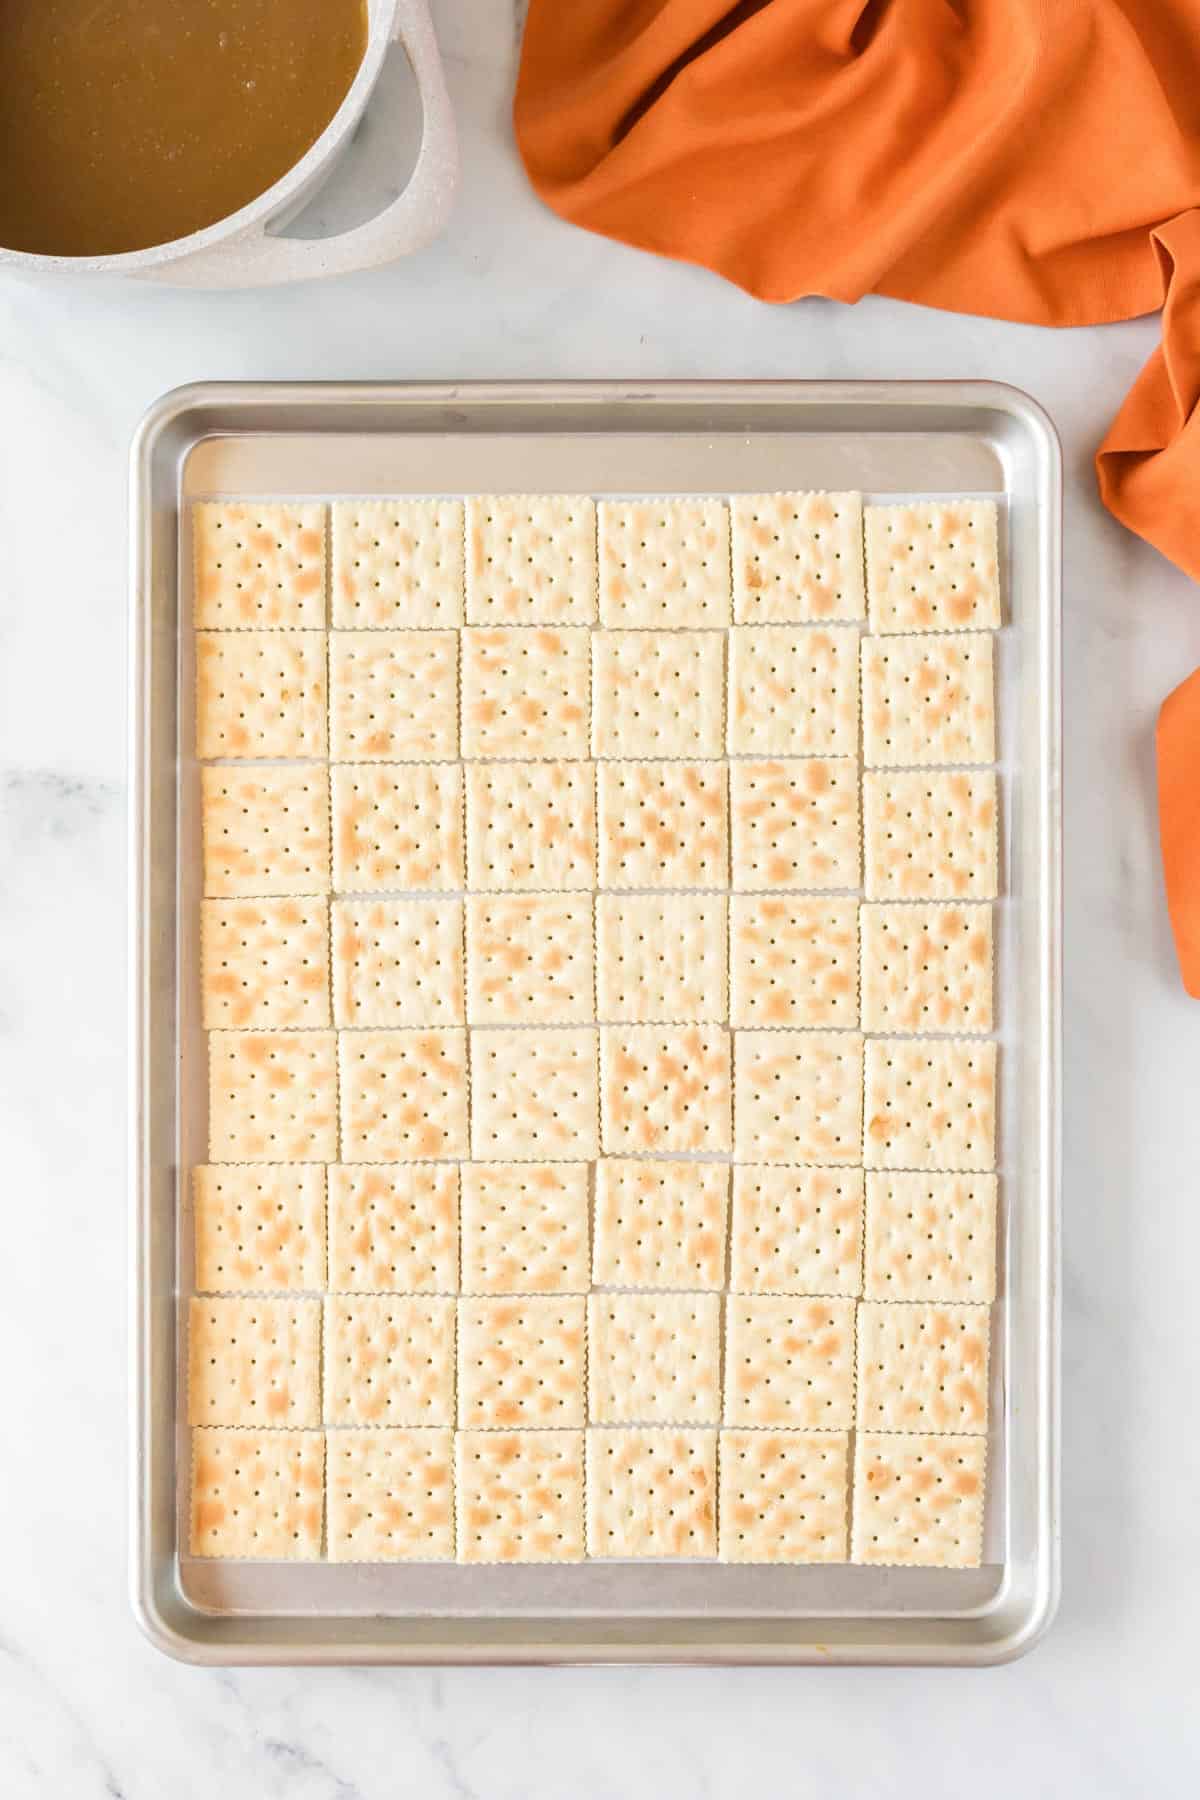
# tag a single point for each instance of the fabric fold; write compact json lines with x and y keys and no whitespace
{"x":1148,"y":466}
{"x":1177,"y":749}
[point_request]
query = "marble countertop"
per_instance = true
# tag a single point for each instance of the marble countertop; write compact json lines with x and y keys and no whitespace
{"x":1106,"y":1706}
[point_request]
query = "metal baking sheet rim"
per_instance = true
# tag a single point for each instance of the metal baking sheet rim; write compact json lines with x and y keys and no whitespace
{"x":1011,"y":1622}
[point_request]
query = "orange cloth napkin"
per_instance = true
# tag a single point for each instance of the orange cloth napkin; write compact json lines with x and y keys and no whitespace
{"x":1037,"y":160}
{"x":1178,"y":748}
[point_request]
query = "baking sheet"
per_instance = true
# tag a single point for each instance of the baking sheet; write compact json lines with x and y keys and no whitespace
{"x":719,"y":439}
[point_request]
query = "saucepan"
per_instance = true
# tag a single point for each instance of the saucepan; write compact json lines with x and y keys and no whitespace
{"x":244,"y":249}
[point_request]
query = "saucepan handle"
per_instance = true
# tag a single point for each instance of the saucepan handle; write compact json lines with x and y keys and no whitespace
{"x":414,"y":218}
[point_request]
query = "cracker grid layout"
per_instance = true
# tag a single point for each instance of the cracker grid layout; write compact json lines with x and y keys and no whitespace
{"x":598,"y":924}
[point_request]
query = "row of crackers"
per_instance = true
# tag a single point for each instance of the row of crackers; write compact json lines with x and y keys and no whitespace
{"x":571,"y":1093}
{"x":563,"y":559}
{"x":789,"y":1405}
{"x":923,"y":834}
{"x":532,"y":1496}
{"x":540,"y":1228}
{"x":492,"y":1362}
{"x":564,"y":693}
{"x":568,"y":959}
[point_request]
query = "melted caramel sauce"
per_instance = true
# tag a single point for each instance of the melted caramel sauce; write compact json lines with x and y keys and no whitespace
{"x":126,"y":123}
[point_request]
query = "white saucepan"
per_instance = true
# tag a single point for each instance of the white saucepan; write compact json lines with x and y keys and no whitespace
{"x":243,"y":250}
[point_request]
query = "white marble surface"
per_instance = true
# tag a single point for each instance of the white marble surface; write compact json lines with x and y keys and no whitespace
{"x":1107,"y":1706}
